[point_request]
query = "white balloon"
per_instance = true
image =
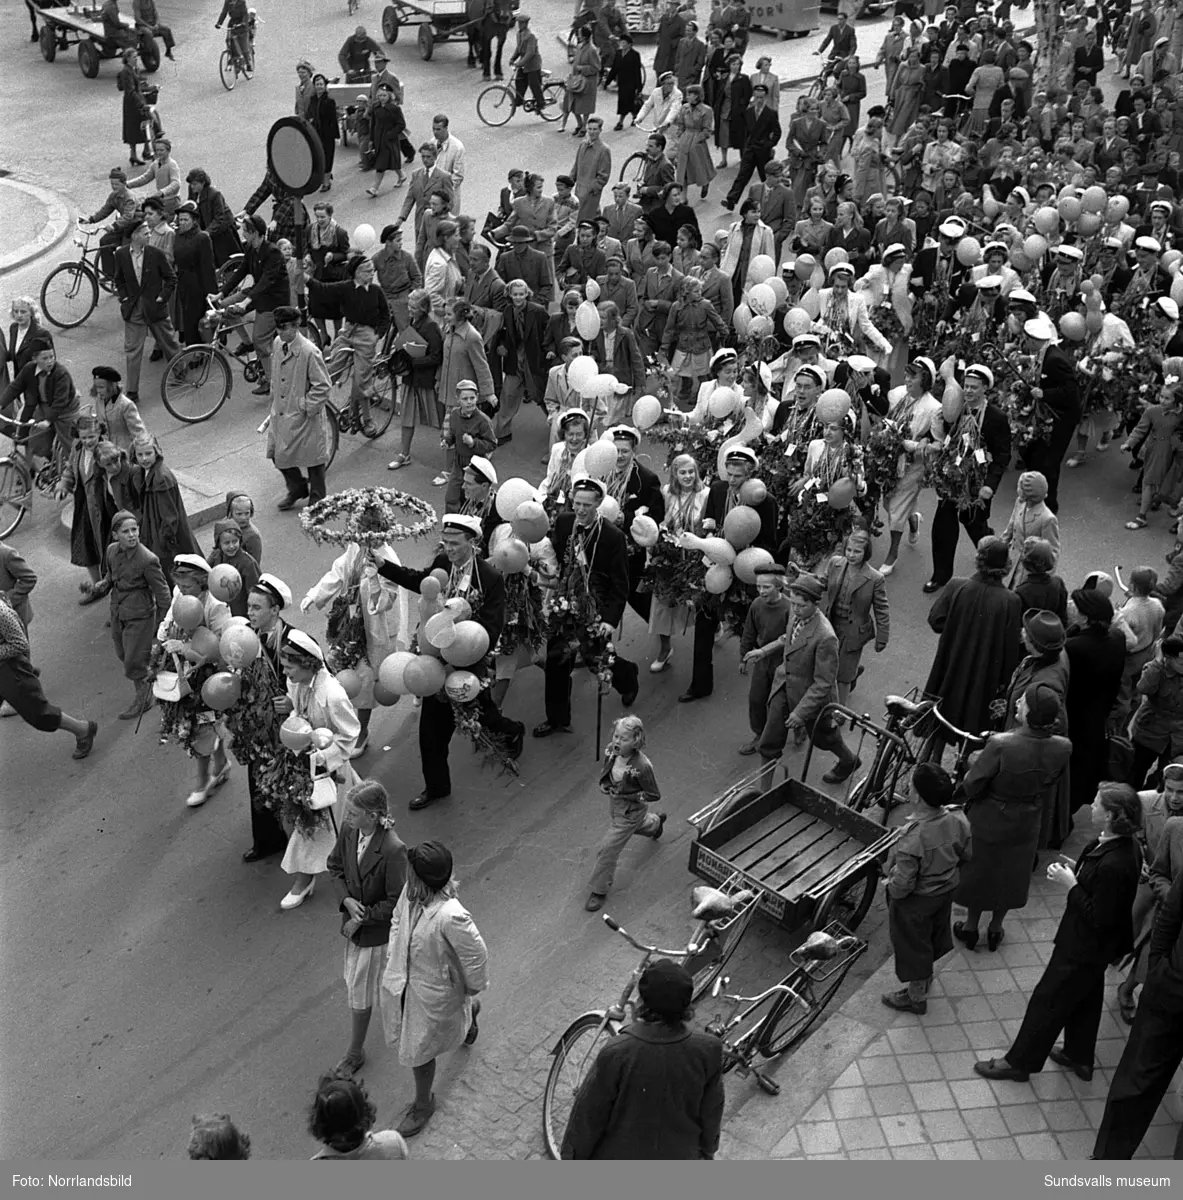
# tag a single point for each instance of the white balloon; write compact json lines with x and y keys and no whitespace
{"x":581,"y":372}
{"x":587,"y":320}
{"x":364,"y":237}
{"x":762,"y":300}
{"x":591,"y":290}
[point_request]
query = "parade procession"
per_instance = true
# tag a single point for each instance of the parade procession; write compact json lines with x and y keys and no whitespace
{"x":518,"y":538}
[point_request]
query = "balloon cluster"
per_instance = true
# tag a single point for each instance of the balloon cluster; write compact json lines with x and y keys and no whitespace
{"x":733,"y":556}
{"x":584,"y":372}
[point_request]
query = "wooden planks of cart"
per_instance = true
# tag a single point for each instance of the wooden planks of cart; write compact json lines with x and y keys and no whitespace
{"x":437,"y":21}
{"x":62,"y":25}
{"x":812,"y":859}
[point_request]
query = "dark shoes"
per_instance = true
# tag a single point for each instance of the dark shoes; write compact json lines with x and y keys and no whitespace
{"x":629,"y":698}
{"x":473,"y":1030}
{"x":994,"y":938}
{"x":968,"y":937}
{"x":423,"y":800}
{"x":515,"y":742}
{"x":256,"y":855}
{"x":289,"y":501}
{"x":595,"y":902}
{"x":546,"y":729}
{"x":839,"y":773}
{"x":661,"y":820}
{"x":932,"y":586}
{"x":687,"y":696}
{"x":156,"y":355}
{"x":1078,"y":1069}
{"x":261,"y":390}
{"x":415,"y":1118}
{"x":505,"y":440}
{"x":999,"y":1068}
{"x":729,"y":205}
{"x":750,"y":747}
{"x":85,"y":743}
{"x":902,"y":1002}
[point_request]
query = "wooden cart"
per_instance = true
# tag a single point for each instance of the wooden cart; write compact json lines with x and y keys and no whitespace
{"x":813,"y":859}
{"x":63,"y":24}
{"x":437,"y":20}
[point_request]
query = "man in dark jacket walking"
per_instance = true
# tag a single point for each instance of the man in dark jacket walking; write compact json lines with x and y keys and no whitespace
{"x":762,"y":130}
{"x":656,"y":1091}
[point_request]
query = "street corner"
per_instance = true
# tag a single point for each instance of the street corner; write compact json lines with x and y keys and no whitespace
{"x":33,"y":220}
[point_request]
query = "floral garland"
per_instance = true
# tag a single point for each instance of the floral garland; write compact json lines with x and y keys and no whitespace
{"x":887,"y":321}
{"x":574,"y":621}
{"x":881,"y":457}
{"x":1031,"y":419}
{"x":181,"y":720}
{"x":814,"y":530}
{"x":524,"y":624}
{"x":701,"y":441}
{"x":467,"y":715}
{"x":346,"y":631}
{"x":957,"y":472}
{"x":675,"y":576}
{"x":1122,"y":381}
{"x":349,"y":507}
{"x":731,"y":608}
{"x":253,"y":724}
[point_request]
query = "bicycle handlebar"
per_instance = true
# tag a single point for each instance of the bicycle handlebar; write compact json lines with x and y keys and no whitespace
{"x":632,"y":941}
{"x":960,"y":735}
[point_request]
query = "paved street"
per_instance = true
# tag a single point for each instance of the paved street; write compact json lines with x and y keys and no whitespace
{"x":152,"y":974}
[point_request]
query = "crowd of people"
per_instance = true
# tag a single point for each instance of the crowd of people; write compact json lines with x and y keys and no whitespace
{"x":915,"y":298}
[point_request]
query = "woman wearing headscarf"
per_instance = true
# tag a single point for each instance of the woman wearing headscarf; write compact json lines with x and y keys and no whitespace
{"x":1006,"y":792}
{"x":918,"y":414}
{"x":369,"y":618}
{"x":370,"y":861}
{"x":438,"y":965}
{"x":1096,"y":651}
{"x":156,"y":496}
{"x":315,"y":695}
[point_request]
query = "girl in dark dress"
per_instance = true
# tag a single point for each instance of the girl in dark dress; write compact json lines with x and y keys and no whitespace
{"x":328,"y":247}
{"x":322,"y":114}
{"x":193,"y":258}
{"x":626,"y":70}
{"x":387,"y":124}
{"x":156,"y":496}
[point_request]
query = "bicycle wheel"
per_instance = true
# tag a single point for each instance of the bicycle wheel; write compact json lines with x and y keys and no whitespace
{"x":849,"y":902}
{"x":16,"y":493}
{"x":552,"y":94}
{"x":196,"y":383}
{"x":247,"y":65}
{"x":69,"y":295}
{"x":334,"y":433}
{"x":227,"y":70}
{"x":706,"y":966}
{"x":495,"y":105}
{"x":633,"y":168}
{"x":789,"y":1022}
{"x":383,"y":402}
{"x":574,"y":1054}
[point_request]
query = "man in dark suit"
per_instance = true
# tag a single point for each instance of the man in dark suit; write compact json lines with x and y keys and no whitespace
{"x":995,"y":437}
{"x":523,"y":262}
{"x":762,"y":132}
{"x":1155,"y":1046}
{"x":716,"y":287}
{"x":634,"y":487}
{"x":473,"y":579}
{"x":1059,"y":390}
{"x":938,"y":266}
{"x":740,"y":465}
{"x":144,"y":281}
{"x":519,"y":343}
{"x":484,"y":289}
{"x":593,"y":566}
{"x":656,"y":175}
{"x":1109,"y":146}
{"x":690,"y":58}
{"x":622,"y":214}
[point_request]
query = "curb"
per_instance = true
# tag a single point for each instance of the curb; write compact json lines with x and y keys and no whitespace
{"x":56,"y":228}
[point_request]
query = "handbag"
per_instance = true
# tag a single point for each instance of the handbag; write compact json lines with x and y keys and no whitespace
{"x":575,"y":82}
{"x":324,"y":787}
{"x":172,"y":686}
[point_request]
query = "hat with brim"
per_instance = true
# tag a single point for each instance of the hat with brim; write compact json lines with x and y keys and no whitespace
{"x":1168,"y":307}
{"x":1040,"y":328}
{"x":1149,"y":244}
{"x":482,"y":468}
{"x":1021,"y":296}
{"x":191,"y":562}
{"x":815,"y":373}
{"x":519,"y":233}
{"x":808,"y":586}
{"x":722,"y":356}
{"x":738,"y":454}
{"x":304,"y":642}
{"x":925,"y":365}
{"x":1161,"y":206}
{"x":805,"y":341}
{"x":467,"y":385}
{"x":588,"y":483}
{"x":989,"y":281}
{"x":1072,"y":253}
{"x":995,"y":248}
{"x":1045,"y":630}
{"x":896,"y":248}
{"x":857,"y":362}
{"x":275,"y":589}
{"x":842,"y":268}
{"x":462,"y":523}
{"x":977,"y":371}
{"x":953,"y":229}
{"x":1113,"y":243}
{"x":1022,"y":194}
{"x":572,"y":415}
{"x":625,"y":433}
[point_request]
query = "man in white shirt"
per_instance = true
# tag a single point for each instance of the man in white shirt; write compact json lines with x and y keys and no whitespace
{"x":450,"y":156}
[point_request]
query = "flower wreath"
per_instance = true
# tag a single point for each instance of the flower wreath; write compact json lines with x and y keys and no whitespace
{"x":349,"y":506}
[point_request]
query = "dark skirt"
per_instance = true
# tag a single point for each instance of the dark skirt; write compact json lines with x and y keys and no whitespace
{"x":1005,"y":839}
{"x":920,"y":934}
{"x":85,"y":550}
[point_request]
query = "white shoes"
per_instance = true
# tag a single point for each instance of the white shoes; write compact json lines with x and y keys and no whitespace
{"x":660,"y":664}
{"x":198,"y":798}
{"x":6,"y":710}
{"x":294,"y":899}
{"x":887,"y":570}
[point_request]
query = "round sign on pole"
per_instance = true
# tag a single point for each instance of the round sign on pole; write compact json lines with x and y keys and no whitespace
{"x":295,"y":156}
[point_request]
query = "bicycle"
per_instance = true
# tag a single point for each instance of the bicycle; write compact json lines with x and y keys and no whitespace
{"x":70,"y":292}
{"x":383,"y":399}
{"x":232,"y":62}
{"x":499,"y":101}
{"x":770,"y":1036}
{"x":19,"y":477}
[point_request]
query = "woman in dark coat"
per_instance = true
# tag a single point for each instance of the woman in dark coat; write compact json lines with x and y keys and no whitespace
{"x":98,"y":494}
{"x":328,"y":247}
{"x":156,"y":496}
{"x":1095,"y":931}
{"x":627,"y":70}
{"x":979,"y":622}
{"x":387,"y":125}
{"x":1096,"y":658}
{"x":25,"y":332}
{"x":129,"y":83}
{"x":1006,"y":791}
{"x":732,"y":98}
{"x":672,"y":214}
{"x":193,"y":257}
{"x":716,"y":69}
{"x":213,"y":215}
{"x":322,"y":115}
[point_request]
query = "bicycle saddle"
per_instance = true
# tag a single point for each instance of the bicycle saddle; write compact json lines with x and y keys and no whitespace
{"x":901,"y":706}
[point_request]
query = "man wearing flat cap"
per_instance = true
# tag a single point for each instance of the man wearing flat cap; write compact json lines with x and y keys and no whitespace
{"x":587,"y":601}
{"x":471,"y":578}
{"x":805,"y":682}
{"x":656,"y":1090}
{"x":740,"y":465}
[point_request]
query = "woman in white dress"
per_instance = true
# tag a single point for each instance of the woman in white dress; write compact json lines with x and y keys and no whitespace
{"x":685,"y":502}
{"x":316,"y":696}
{"x":915,"y":409}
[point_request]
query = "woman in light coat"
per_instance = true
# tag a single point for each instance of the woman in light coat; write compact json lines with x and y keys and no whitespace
{"x":382,"y":606}
{"x":845,"y":322}
{"x":315,"y":695}
{"x":586,"y":62}
{"x":464,"y":355}
{"x":441,"y":274}
{"x":763,"y":242}
{"x":692,"y":129}
{"x":438,"y":965}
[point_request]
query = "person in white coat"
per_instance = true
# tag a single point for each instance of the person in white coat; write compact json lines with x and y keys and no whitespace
{"x":844,"y":321}
{"x":438,"y":964}
{"x":353,"y":584}
{"x":450,"y":156}
{"x":316,"y":696}
{"x":762,"y":241}
{"x":665,"y":102}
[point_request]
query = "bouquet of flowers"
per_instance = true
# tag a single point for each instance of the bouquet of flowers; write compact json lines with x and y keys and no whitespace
{"x":814,"y":529}
{"x":346,"y":631}
{"x":285,"y":781}
{"x":181,"y":720}
{"x":524,"y":623}
{"x":957,"y":472}
{"x":675,"y":575}
{"x":887,"y":321}
{"x":253,"y":724}
{"x":702,"y":441}
{"x":1030,"y":418}
{"x":881,"y":457}
{"x":490,"y":748}
{"x":731,"y":608}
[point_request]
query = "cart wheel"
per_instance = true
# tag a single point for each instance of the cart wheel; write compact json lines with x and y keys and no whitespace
{"x":848,"y":902}
{"x":149,"y":53}
{"x":88,"y":59}
{"x":426,"y":42}
{"x":390,"y":24}
{"x":49,"y":43}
